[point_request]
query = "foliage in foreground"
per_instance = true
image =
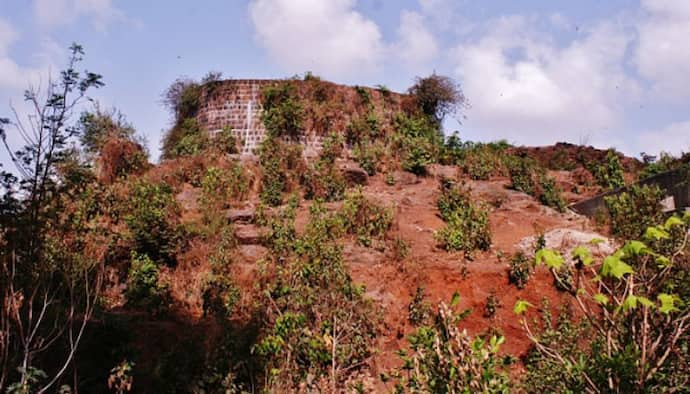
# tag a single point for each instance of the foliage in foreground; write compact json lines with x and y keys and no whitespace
{"x":444,"y":359}
{"x":319,"y":327}
{"x":637,"y":302}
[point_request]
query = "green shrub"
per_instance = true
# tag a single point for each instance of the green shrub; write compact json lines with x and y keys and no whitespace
{"x":219,"y":187}
{"x":363,"y":128}
{"x":318,"y":326}
{"x":528,"y":177}
{"x":369,"y":155}
{"x":544,"y":375}
{"x":283,"y":112}
{"x":551,"y":194}
{"x":520,"y":270}
{"x":280,"y":163}
{"x":609,"y":175}
{"x":522,"y":171}
{"x":631,"y":212}
{"x":184,"y":139}
{"x":419,"y":309}
{"x":417,"y":141}
{"x":444,"y":359}
{"x":143,"y":285}
{"x":323,"y":179}
{"x":152,"y":219}
{"x":467,"y":226}
{"x":364,"y":218}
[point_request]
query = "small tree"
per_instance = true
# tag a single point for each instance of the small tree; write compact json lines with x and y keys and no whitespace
{"x":438,"y":96}
{"x":48,"y":292}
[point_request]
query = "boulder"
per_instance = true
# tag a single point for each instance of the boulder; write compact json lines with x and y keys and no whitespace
{"x":354,"y":174}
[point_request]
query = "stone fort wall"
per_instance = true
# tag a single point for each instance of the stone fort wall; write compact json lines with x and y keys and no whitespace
{"x":236,"y":104}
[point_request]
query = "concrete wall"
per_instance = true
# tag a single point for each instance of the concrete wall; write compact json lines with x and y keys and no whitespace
{"x":676,"y":184}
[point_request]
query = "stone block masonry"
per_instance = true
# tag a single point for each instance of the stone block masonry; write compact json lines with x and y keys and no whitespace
{"x":234,"y":104}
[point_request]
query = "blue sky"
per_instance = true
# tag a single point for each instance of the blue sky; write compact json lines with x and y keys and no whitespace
{"x":613,"y":73}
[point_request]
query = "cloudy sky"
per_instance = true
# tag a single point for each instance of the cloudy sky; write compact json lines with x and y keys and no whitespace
{"x":610,"y":73}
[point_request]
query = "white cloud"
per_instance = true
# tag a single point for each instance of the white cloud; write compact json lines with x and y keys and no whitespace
{"x":12,"y":76}
{"x":417,"y":45}
{"x":674,"y":139}
{"x":329,"y":38}
{"x":524,"y":86}
{"x":54,"y":13}
{"x":663,"y":55}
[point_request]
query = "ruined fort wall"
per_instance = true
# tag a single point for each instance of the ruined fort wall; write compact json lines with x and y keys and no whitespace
{"x":236,"y":104}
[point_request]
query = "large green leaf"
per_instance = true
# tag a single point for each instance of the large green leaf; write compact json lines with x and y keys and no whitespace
{"x":667,"y":303}
{"x":601,"y":299}
{"x":656,"y":233}
{"x":521,"y":307}
{"x":614,"y":266}
{"x":551,"y":258}
{"x":673,"y":221}
{"x":634,"y":248}
{"x":583,"y":254}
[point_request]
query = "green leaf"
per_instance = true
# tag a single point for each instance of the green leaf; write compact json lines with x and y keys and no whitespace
{"x":551,"y":258}
{"x":596,"y":241}
{"x":656,"y":233}
{"x":663,"y":261}
{"x":521,"y":307}
{"x":614,"y":266}
{"x":673,"y":221}
{"x":629,"y":303}
{"x":667,"y":303}
{"x":645,"y":301}
{"x":634,"y":248}
{"x":455,"y":300}
{"x":583,"y":254}
{"x":601,"y":299}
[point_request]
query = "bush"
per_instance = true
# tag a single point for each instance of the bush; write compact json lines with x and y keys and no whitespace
{"x":631,"y":212}
{"x":468,"y":225}
{"x":363,"y":128}
{"x":184,"y":139}
{"x":444,"y":359}
{"x":528,"y":177}
{"x":368,"y":156}
{"x":419,"y":309}
{"x":221,"y":186}
{"x":97,"y":127}
{"x":323,"y":180}
{"x":318,"y":329}
{"x":364,"y":218}
{"x":551,"y":194}
{"x":143,"y":286}
{"x":417,"y":142}
{"x":280,"y":164}
{"x":609,"y":175}
{"x":119,"y":158}
{"x":152,"y":221}
{"x":283,"y":112}
{"x":520,"y":270}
